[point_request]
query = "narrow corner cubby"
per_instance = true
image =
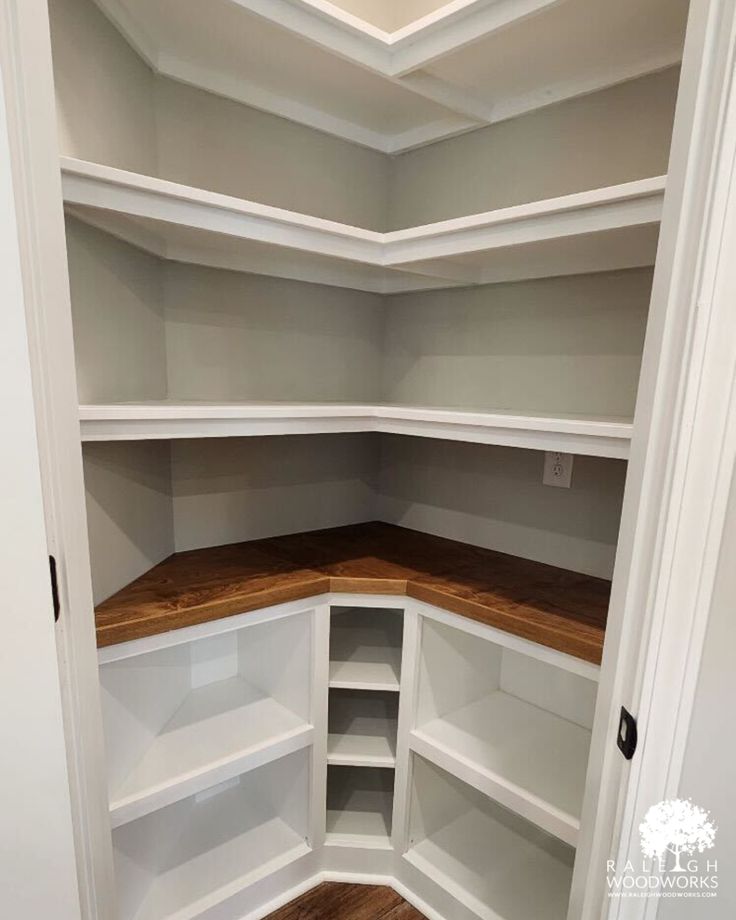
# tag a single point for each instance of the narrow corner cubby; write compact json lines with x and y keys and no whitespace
{"x":359,"y":806}
{"x":192,"y":855}
{"x":365,"y":648}
{"x":181,"y":717}
{"x":494,"y":862}
{"x":516,"y":727}
{"x":362,"y":728}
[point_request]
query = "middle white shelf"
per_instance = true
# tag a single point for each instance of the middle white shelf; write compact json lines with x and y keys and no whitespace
{"x":594,"y":436}
{"x":591,"y":231}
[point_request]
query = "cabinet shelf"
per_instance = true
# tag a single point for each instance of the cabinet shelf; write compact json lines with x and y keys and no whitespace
{"x":189,"y":857}
{"x":492,"y":861}
{"x":598,"y":230}
{"x":514,"y":728}
{"x":464,"y":65}
{"x":597,"y":437}
{"x":228,"y":726}
{"x":532,"y":761}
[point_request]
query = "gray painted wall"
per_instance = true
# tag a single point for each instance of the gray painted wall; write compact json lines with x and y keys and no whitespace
{"x":612,"y":136}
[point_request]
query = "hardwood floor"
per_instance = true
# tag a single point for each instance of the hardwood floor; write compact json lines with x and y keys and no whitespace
{"x":336,"y":901}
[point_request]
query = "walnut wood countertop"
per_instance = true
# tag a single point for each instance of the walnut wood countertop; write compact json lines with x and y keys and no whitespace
{"x":554,"y":607}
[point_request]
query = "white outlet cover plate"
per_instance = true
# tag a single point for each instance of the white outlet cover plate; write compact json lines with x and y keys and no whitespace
{"x":557,"y":469}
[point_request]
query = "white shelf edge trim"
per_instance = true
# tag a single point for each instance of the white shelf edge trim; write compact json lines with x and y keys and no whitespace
{"x":522,"y":802}
{"x":91,"y":185}
{"x":598,"y":437}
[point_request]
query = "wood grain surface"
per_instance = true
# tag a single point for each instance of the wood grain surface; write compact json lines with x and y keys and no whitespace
{"x":561,"y":609}
{"x":337,"y":901}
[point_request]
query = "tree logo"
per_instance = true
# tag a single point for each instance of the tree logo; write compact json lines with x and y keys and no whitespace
{"x":676,"y":826}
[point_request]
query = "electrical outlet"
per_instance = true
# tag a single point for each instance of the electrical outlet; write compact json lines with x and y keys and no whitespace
{"x":557,"y":469}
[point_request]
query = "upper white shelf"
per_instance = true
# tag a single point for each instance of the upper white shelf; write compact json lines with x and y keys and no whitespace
{"x":467,"y":64}
{"x":599,"y":230}
{"x":597,"y":437}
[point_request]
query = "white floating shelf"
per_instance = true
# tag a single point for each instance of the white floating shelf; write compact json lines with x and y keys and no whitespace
{"x":527,"y":759}
{"x":597,"y":437}
{"x":364,"y":747}
{"x":467,"y":64}
{"x":598,"y":230}
{"x":219,"y":731}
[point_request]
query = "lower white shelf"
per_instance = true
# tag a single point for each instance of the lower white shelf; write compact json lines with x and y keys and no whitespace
{"x":189,"y":857}
{"x":530,"y":760}
{"x":495,"y":863}
{"x":221,"y":728}
{"x":595,"y":436}
{"x":359,"y":807}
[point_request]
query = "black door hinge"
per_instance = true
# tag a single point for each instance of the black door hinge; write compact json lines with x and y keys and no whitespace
{"x":627,"y":734}
{"x":54,"y":588}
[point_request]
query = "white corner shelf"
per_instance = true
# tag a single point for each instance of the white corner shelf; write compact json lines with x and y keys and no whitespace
{"x":362,"y":729}
{"x":359,"y":807}
{"x":186,"y":859}
{"x":527,"y":759}
{"x":445,"y":73}
{"x":490,"y":860}
{"x":220,"y":730}
{"x":595,"y":436}
{"x":597,"y":230}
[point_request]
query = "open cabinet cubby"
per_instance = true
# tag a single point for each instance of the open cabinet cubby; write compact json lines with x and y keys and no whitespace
{"x":365,"y":649}
{"x":492,"y":861}
{"x":516,"y":727}
{"x":193,"y":855}
{"x":359,"y":806}
{"x":362,"y":728}
{"x":179,"y":717}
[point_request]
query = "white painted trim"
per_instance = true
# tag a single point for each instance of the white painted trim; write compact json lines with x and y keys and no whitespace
{"x":25,"y":52}
{"x":703,"y":463}
{"x":652,"y":645}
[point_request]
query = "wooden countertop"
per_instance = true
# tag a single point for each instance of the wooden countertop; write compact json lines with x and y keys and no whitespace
{"x":554,"y":607}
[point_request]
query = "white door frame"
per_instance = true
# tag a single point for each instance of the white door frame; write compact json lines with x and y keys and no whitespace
{"x":663,"y":495}
{"x":25,"y":56}
{"x":38,"y":875}
{"x":678,"y":476}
